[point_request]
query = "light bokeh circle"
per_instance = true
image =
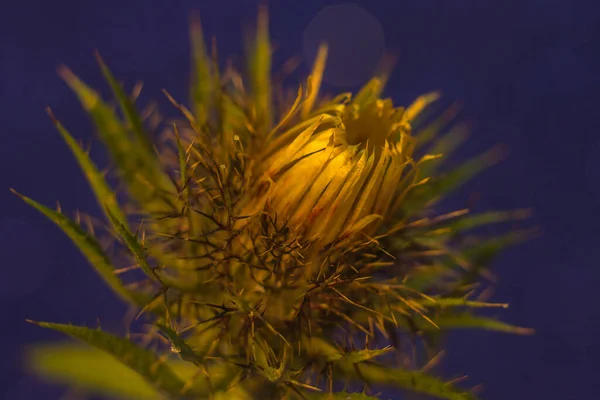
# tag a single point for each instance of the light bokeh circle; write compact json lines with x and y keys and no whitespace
{"x":355,"y":39}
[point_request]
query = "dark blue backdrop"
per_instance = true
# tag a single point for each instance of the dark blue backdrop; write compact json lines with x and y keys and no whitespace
{"x":526,"y":70}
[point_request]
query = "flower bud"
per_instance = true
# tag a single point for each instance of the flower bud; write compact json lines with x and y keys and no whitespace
{"x":339,"y":176}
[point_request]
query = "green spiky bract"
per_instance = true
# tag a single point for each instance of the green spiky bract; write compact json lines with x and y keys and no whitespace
{"x":240,"y":303}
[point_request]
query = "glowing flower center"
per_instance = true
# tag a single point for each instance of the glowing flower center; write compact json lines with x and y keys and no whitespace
{"x":373,"y":122}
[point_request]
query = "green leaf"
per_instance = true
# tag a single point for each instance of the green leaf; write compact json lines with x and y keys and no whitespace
{"x":476,"y":220}
{"x":457,"y":302}
{"x":423,"y":276}
{"x":451,"y":320}
{"x":142,"y":361}
{"x":137,"y":166}
{"x":88,"y":369}
{"x":97,"y":372}
{"x":201,"y":85}
{"x":134,"y":246}
{"x":486,"y":249}
{"x":363,"y":355}
{"x":127,"y":107}
{"x":104,"y":195}
{"x":445,"y":146}
{"x":90,"y":247}
{"x":438,"y":187}
{"x":428,"y":132}
{"x":479,"y":255}
{"x":466,"y":171}
{"x":470,"y":321}
{"x":179,"y":345}
{"x":415,"y":381}
{"x":260,"y":73}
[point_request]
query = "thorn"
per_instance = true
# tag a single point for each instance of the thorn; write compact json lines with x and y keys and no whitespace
{"x":52,"y":117}
{"x":457,"y":380}
{"x":99,"y":59}
{"x":195,"y":23}
{"x":65,"y":73}
{"x":137,"y":90}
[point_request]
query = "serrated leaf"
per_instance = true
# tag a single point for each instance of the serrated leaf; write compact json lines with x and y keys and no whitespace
{"x":180,"y":346}
{"x":132,"y":243}
{"x":142,"y":361}
{"x":451,"y":320}
{"x":90,"y":247}
{"x":127,"y":108}
{"x":104,"y":195}
{"x":414,"y":381}
{"x":376,"y":374}
{"x":358,"y":356}
{"x":138,"y":167}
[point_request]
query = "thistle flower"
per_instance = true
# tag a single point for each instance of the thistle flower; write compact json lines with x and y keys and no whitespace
{"x":341,"y":175}
{"x":273,"y":239}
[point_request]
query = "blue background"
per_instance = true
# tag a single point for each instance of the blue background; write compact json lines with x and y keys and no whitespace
{"x":527,"y":71}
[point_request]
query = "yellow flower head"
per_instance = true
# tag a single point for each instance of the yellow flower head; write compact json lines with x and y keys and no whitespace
{"x":340,"y":173}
